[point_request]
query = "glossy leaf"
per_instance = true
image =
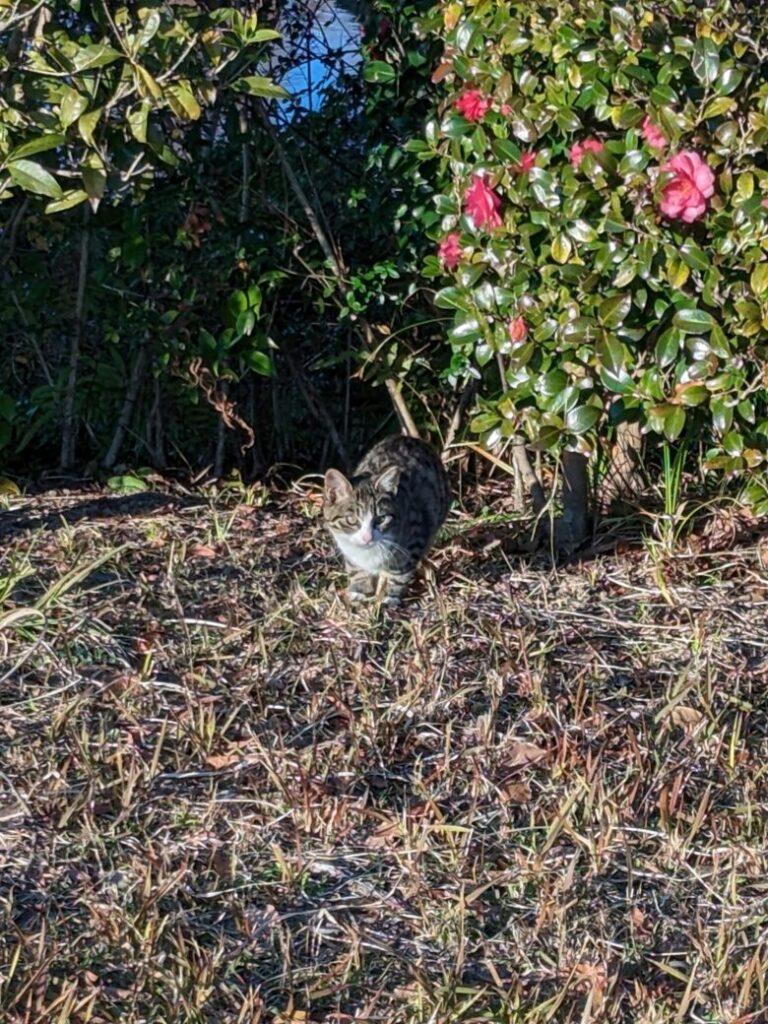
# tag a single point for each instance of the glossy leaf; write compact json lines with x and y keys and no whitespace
{"x":33,"y":178}
{"x":693,"y":321}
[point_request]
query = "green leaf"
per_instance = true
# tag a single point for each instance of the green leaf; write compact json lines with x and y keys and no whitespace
{"x":148,"y":29}
{"x":127,"y":484}
{"x":453,"y":298}
{"x":149,"y":88}
{"x":254,"y":297}
{"x":610,"y":352}
{"x":470,"y":273}
{"x":694,"y":257}
{"x":674,"y":421}
{"x":86,"y":125}
{"x":718,"y":106}
{"x":693,"y":394}
{"x":733,"y":443}
{"x":379,"y":72}
{"x":668,"y":347}
{"x":581,"y":231}
{"x":582,"y":418}
{"x":728,"y":81}
{"x":552,"y":383}
{"x":34,"y":178}
{"x":137,"y":122}
{"x":506,"y":150}
{"x":183,"y":102}
{"x":613,"y":311}
{"x":745,"y":185}
{"x":693,"y":321}
{"x":581,"y":328}
{"x":465,"y":329}
{"x":73,"y":104}
{"x":258,"y":85}
{"x":69,"y":199}
{"x":567,"y":120}
{"x":246,"y":321}
{"x":95,"y":56}
{"x":7,"y":409}
{"x":265,"y":35}
{"x":260,"y":362}
{"x":94,"y":181}
{"x":561,"y":249}
{"x":663,"y":95}
{"x":758,"y":279}
{"x":33,"y":146}
{"x":484,"y":421}
{"x":677,"y":271}
{"x":705,"y":60}
{"x":548,"y":437}
{"x":722,"y":414}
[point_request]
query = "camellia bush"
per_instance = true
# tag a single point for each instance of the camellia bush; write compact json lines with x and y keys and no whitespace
{"x":602,"y":218}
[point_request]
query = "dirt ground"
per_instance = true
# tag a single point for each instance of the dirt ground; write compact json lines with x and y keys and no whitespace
{"x":532,"y":794}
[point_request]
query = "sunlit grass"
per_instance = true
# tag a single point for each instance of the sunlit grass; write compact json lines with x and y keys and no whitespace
{"x":530,"y":795}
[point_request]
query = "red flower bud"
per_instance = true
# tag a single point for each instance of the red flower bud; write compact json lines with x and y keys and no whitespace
{"x":518,"y":330}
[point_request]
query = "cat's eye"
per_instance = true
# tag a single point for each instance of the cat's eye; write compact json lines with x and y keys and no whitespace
{"x":384,"y":522}
{"x":350,"y":520}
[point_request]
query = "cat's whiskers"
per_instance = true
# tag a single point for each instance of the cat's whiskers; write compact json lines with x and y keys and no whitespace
{"x":394,"y":546}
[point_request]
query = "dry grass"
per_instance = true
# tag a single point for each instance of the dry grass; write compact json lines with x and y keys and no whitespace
{"x":528,"y":796}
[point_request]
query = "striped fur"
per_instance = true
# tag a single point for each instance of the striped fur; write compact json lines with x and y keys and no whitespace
{"x":385,"y":518}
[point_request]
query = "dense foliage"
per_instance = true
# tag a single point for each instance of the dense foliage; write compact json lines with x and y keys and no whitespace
{"x":196,"y":274}
{"x":126,"y":111}
{"x":197,"y":298}
{"x":601,"y":201}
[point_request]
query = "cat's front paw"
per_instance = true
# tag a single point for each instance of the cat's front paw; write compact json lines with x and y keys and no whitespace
{"x":359,"y":596}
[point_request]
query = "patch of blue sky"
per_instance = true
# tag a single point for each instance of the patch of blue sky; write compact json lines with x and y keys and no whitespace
{"x":330,"y":46}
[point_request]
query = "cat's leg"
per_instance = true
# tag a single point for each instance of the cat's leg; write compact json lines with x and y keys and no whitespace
{"x":395,"y":585}
{"x":362,"y":586}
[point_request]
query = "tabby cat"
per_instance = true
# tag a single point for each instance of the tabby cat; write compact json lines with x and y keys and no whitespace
{"x":385,"y":518}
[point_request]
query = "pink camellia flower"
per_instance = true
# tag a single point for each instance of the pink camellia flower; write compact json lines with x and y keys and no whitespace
{"x":449,"y":250}
{"x":764,"y":203}
{"x":578,"y":149}
{"x":518,"y":330}
{"x":482,"y":204}
{"x":653,"y":135}
{"x":505,"y":109}
{"x":473,"y":105}
{"x":686,"y":195}
{"x":527,"y":161}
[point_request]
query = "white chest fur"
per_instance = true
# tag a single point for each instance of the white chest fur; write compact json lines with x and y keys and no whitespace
{"x":370,"y":557}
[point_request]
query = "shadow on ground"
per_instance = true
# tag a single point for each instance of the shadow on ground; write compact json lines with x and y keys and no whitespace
{"x":532,"y":794}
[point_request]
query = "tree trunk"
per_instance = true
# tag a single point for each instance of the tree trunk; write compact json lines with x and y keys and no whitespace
{"x":317,"y":408}
{"x":69,"y":426}
{"x":221,"y":437}
{"x":623,"y":476}
{"x":527,"y":474}
{"x":157,"y":430}
{"x":131,"y":396}
{"x":571,"y":528}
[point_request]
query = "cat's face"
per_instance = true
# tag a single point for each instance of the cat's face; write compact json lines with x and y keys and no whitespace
{"x":362,"y":514}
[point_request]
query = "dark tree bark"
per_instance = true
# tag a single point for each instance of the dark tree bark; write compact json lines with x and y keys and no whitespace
{"x":623,"y":476}
{"x":129,"y":403}
{"x":69,"y":425}
{"x":571,"y":528}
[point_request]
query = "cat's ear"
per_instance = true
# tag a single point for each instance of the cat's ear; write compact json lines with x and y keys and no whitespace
{"x":337,"y":487}
{"x":387,"y":482}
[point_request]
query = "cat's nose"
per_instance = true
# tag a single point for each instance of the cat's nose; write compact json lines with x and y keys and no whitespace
{"x":366,"y":537}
